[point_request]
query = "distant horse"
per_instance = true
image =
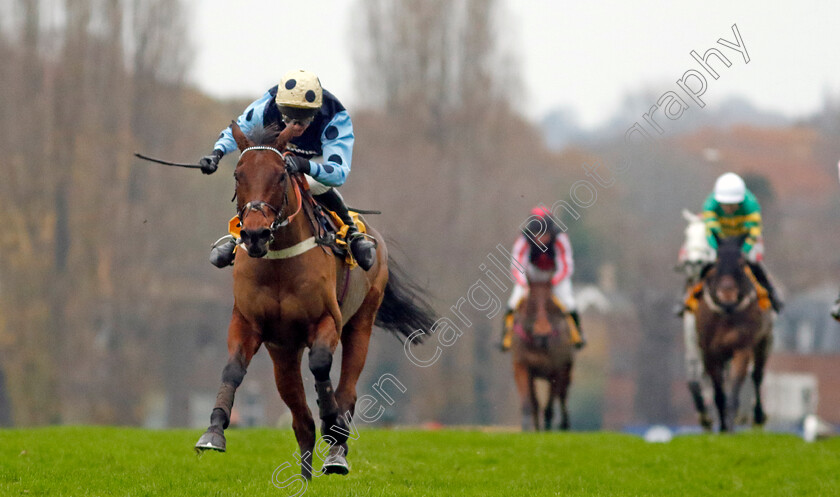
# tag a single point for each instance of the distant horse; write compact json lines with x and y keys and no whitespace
{"x":290,"y":293}
{"x":696,"y":255}
{"x":733,"y":325}
{"x":542,"y":349}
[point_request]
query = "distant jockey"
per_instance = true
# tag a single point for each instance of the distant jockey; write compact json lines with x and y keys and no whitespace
{"x":322,"y":148}
{"x":732,"y":210}
{"x":555,"y":264}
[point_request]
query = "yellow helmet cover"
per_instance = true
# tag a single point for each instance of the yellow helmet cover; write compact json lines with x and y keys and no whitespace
{"x":299,"y":88}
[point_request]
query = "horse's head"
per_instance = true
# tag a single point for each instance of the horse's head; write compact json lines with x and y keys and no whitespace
{"x":728,"y":282}
{"x":263,"y":189}
{"x":539,"y":316}
{"x":698,"y":254}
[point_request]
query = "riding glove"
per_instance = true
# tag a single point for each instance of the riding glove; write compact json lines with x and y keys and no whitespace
{"x":209,"y":163}
{"x":295,"y":164}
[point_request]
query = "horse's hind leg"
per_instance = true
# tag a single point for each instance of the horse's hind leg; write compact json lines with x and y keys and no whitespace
{"x":762,"y":351}
{"x":243,"y":343}
{"x":290,"y":386}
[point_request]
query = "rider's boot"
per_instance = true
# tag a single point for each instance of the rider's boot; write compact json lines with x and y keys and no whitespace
{"x":576,"y":318}
{"x":364,"y":250}
{"x":221,"y":255}
{"x":507,"y":331}
{"x":764,"y":280}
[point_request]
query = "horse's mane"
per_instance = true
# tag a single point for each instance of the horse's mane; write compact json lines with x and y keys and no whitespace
{"x":264,"y":135}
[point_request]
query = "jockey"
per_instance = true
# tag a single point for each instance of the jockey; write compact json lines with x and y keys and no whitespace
{"x":733,"y":210}
{"x":322,"y":150}
{"x":555,"y":263}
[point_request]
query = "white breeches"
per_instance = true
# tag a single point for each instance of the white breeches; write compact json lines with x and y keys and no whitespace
{"x":314,"y":187}
{"x":562,"y":292}
{"x":756,"y":254}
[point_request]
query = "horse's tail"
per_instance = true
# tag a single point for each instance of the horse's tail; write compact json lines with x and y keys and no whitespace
{"x":405,"y":308}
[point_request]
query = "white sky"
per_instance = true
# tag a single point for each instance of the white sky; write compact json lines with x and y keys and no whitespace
{"x":582,"y":55}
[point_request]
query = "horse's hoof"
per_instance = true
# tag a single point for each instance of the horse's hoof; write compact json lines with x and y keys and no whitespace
{"x":706,"y":422}
{"x":336,"y":463}
{"x":211,"y":440}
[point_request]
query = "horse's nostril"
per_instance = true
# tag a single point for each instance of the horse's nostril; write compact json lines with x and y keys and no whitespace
{"x":265,"y":233}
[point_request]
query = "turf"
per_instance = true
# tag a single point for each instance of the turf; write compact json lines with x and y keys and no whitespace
{"x":96,"y":461}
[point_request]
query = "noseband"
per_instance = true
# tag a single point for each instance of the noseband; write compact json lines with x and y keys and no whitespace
{"x":259,"y":205}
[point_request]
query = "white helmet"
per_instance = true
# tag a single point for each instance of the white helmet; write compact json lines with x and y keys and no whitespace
{"x":730,"y":189}
{"x":299,"y":89}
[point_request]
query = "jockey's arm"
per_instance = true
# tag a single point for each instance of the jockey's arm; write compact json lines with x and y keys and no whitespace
{"x":563,"y":259}
{"x":520,"y":260}
{"x":249,"y":120}
{"x":752,"y":222}
{"x":710,"y":217}
{"x":337,"y":146}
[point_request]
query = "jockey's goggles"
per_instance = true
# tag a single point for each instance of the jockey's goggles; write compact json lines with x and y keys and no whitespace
{"x":301,"y":122}
{"x":294,"y":115}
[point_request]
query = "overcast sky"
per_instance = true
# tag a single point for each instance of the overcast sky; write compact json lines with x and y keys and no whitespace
{"x":581,"y":55}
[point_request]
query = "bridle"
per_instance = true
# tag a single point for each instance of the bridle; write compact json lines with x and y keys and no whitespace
{"x":259,"y":205}
{"x":719,"y":308}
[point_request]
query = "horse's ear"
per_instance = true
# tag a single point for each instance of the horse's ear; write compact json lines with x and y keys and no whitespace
{"x":283,"y":138}
{"x":717,"y":237}
{"x":742,"y":238}
{"x":690,"y":216}
{"x":242,"y":141}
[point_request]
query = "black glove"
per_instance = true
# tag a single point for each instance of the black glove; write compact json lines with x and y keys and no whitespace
{"x":209,"y":163}
{"x":295,"y":164}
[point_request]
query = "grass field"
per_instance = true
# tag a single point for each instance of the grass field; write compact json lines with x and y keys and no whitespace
{"x":86,"y":461}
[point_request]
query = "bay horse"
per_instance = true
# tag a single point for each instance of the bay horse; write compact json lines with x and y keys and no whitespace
{"x":733,"y":326}
{"x":542,"y":349}
{"x":291,"y":294}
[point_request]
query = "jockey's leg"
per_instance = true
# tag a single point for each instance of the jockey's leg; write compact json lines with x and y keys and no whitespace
{"x":754,"y":259}
{"x":516,"y":296}
{"x":563,"y":292}
{"x":363,"y":249}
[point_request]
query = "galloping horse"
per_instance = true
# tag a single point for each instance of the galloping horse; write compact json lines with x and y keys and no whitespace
{"x":733,"y":324}
{"x":291,"y":293}
{"x":542,"y":348}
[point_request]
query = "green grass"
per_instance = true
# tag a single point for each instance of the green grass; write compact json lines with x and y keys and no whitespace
{"x":86,"y":461}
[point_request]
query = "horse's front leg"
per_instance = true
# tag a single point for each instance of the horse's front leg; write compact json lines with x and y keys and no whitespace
{"x":762,"y":351}
{"x":290,"y":385}
{"x":740,"y":365}
{"x":715,"y":370}
{"x":243,"y":342}
{"x":320,"y":362}
{"x":524,"y":386}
